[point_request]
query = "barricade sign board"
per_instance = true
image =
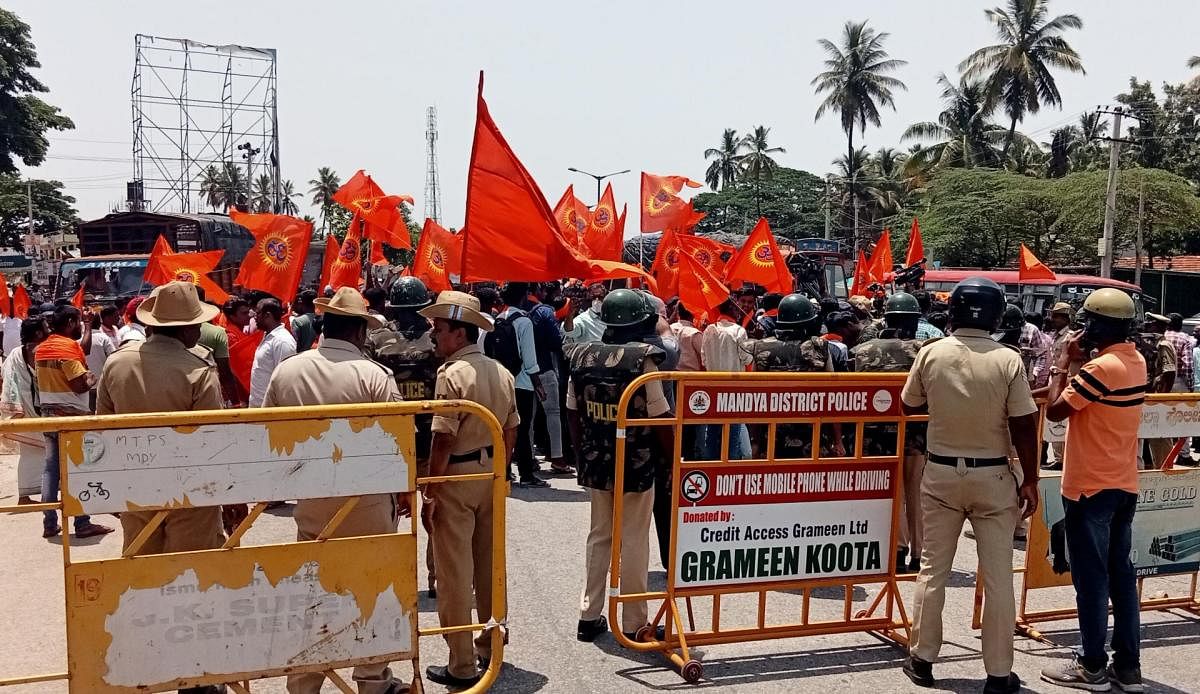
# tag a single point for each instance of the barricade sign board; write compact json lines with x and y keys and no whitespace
{"x":750,"y":524}
{"x":1160,"y":420}
{"x":784,"y":401}
{"x":157,"y":622}
{"x":1166,"y":529}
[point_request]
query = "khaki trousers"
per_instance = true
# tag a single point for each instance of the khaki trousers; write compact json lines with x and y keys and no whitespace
{"x":462,"y":524}
{"x":375,"y":514}
{"x":183,"y":530}
{"x":988,"y":498}
{"x":638,"y":509}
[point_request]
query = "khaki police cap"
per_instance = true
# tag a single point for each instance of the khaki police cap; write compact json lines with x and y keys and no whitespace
{"x":1062,"y":307}
{"x":458,"y":306}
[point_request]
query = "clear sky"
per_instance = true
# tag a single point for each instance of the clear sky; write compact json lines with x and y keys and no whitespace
{"x":600,"y":86}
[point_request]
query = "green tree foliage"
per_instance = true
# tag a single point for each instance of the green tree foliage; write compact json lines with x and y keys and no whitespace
{"x":322,"y":189}
{"x":52,"y":210}
{"x":24,"y":118}
{"x":791,"y":200}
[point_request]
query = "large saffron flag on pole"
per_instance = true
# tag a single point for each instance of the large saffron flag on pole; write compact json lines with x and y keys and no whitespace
{"x":276,"y":261}
{"x":154,"y":273}
{"x":686,"y":219}
{"x":572,"y":217}
{"x":346,"y":269}
{"x":665,"y":267}
{"x":20,"y":302}
{"x":194,"y":268}
{"x":881,"y":258}
{"x":916,"y":247}
{"x":862,"y":275}
{"x":1031,"y":268}
{"x":660,"y":203}
{"x":5,"y":299}
{"x":437,"y":254}
{"x":380,"y":213}
{"x":705,"y":251}
{"x":604,"y":238}
{"x":760,"y":262}
{"x":331,"y":254}
{"x":699,"y":289}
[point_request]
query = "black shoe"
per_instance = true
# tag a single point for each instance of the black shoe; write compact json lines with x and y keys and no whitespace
{"x":902,"y":557}
{"x":432,"y":593}
{"x":535,"y":483}
{"x":441,"y":675}
{"x":589,"y":629}
{"x":919,"y":671}
{"x":914,"y":566}
{"x":660,"y":632}
{"x":1002,"y":685}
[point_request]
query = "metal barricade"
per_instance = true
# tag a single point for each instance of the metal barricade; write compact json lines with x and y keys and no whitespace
{"x":157,"y":622}
{"x":791,"y":519}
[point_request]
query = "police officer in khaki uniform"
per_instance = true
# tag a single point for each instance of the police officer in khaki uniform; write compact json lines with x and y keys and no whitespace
{"x":337,"y":373}
{"x":167,"y":372}
{"x":461,"y":512}
{"x":979,"y":405}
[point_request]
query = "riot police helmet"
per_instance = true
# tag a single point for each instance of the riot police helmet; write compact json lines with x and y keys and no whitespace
{"x":623,"y":308}
{"x":408,"y":292}
{"x":1107,"y":315}
{"x":795,"y":310}
{"x":901,"y":303}
{"x":976,"y":302}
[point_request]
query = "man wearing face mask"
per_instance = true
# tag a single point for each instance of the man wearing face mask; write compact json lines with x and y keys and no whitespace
{"x":587,"y":327}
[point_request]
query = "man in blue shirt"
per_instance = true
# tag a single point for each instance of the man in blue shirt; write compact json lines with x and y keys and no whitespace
{"x":527,"y":380}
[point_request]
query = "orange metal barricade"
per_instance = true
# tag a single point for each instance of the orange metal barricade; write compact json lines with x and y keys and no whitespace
{"x":839,"y":402}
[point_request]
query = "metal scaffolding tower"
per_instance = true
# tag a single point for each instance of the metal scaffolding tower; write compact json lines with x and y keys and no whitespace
{"x":433,"y":185}
{"x":194,"y":104}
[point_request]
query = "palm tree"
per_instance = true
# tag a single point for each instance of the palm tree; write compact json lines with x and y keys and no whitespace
{"x":888,"y":187}
{"x":1194,"y":63}
{"x":234,"y":187}
{"x":724,"y":168}
{"x":1017,"y":70}
{"x":1087,"y":152}
{"x":211,"y":185}
{"x":856,"y":83}
{"x":263,"y":197}
{"x":322,"y":188}
{"x":757,"y":162}
{"x":1026,"y":158}
{"x":963,"y":135}
{"x":287,"y":205}
{"x":1064,"y":142}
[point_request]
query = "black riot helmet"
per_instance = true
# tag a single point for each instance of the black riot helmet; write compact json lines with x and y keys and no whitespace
{"x":408,"y":292}
{"x":977,"y":302}
{"x":798,"y":317}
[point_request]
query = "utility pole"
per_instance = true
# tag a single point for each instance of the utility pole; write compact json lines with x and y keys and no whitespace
{"x":1110,"y":201}
{"x":1137,"y":267}
{"x":828,"y":204}
{"x":854,"y":201}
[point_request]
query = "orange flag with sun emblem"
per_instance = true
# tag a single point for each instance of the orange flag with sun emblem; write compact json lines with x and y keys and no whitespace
{"x":604,"y":238}
{"x":194,"y":268}
{"x":20,"y":302}
{"x":154,"y":273}
{"x":346,"y":270}
{"x":438,"y":252}
{"x":760,"y":262}
{"x":380,"y":213}
{"x":705,"y":251}
{"x":700,"y":290}
{"x":572,"y":217}
{"x":686,"y":219}
{"x":276,"y":261}
{"x":331,"y":254}
{"x":665,"y":267}
{"x":660,"y":200}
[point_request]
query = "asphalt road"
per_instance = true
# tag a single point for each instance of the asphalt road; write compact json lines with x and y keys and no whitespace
{"x":546,"y":532}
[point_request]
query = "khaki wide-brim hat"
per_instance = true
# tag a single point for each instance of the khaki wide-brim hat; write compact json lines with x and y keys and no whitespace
{"x":348,"y":301}
{"x":458,"y":306}
{"x":175,"y":304}
{"x":1062,"y":308}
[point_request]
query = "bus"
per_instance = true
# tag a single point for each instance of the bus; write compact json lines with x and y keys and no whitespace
{"x":1035,"y":297}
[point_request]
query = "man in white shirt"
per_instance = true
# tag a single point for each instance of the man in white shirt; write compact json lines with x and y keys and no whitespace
{"x":11,"y":335}
{"x":586,"y":326}
{"x":277,"y":345}
{"x":721,"y":350}
{"x":102,"y":346}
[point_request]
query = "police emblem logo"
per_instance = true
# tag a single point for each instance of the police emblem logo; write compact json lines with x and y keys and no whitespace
{"x":699,"y":402}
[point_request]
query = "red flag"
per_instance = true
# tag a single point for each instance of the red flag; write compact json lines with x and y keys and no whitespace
{"x":154,"y":273}
{"x":604,"y":238}
{"x":916,"y":247}
{"x":510,"y":232}
{"x":881,"y":259}
{"x":699,"y":290}
{"x":194,"y":268}
{"x":1031,"y":268}
{"x":760,"y":262}
{"x":380,"y":212}
{"x":5,"y":299}
{"x":331,"y":254}
{"x":346,"y":270}
{"x":21,"y":302}
{"x":77,"y":300}
{"x":660,"y":199}
{"x":862,"y":275}
{"x":276,"y":261}
{"x":686,"y":219}
{"x":437,"y":253}
{"x":705,"y":251}
{"x":241,"y":357}
{"x":572,"y":217}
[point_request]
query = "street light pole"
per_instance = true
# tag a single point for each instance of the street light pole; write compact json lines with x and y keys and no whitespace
{"x":598,"y":178}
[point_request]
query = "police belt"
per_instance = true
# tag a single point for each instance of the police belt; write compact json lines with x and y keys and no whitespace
{"x":969,"y":462}
{"x":471,"y":457}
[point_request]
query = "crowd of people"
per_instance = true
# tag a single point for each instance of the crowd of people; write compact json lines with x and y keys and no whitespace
{"x":551,"y":360}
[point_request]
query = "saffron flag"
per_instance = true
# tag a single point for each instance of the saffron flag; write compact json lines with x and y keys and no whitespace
{"x":572,"y":217}
{"x":760,"y":262}
{"x":5,"y":299}
{"x":381,"y":213}
{"x":154,"y":273}
{"x":346,"y":270}
{"x":194,"y":268}
{"x":331,"y":254}
{"x":699,"y":289}
{"x":276,"y":261}
{"x":377,"y":257}
{"x":862,"y":275}
{"x":437,"y":253}
{"x":21,"y":303}
{"x":604,"y":238}
{"x":241,"y":357}
{"x":660,"y":200}
{"x":881,"y":259}
{"x":665,"y":267}
{"x":916,"y":247}
{"x":77,"y":299}
{"x":1031,"y":268}
{"x":686,"y":219}
{"x":705,"y":251}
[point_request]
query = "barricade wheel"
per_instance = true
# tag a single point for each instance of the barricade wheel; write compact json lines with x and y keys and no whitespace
{"x":692,"y":671}
{"x":861,"y":614}
{"x":644,"y":633}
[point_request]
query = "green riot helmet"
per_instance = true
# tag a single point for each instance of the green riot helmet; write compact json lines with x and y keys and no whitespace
{"x":901,"y":303}
{"x":408,"y":292}
{"x":624,"y":307}
{"x":795,"y":310}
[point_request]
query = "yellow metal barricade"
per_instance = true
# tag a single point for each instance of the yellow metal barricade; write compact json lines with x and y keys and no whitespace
{"x":157,"y":622}
{"x":1168,"y":508}
{"x":793,"y":518}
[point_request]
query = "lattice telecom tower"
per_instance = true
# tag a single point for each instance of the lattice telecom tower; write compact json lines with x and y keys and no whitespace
{"x":195,"y":106}
{"x":433,"y":185}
